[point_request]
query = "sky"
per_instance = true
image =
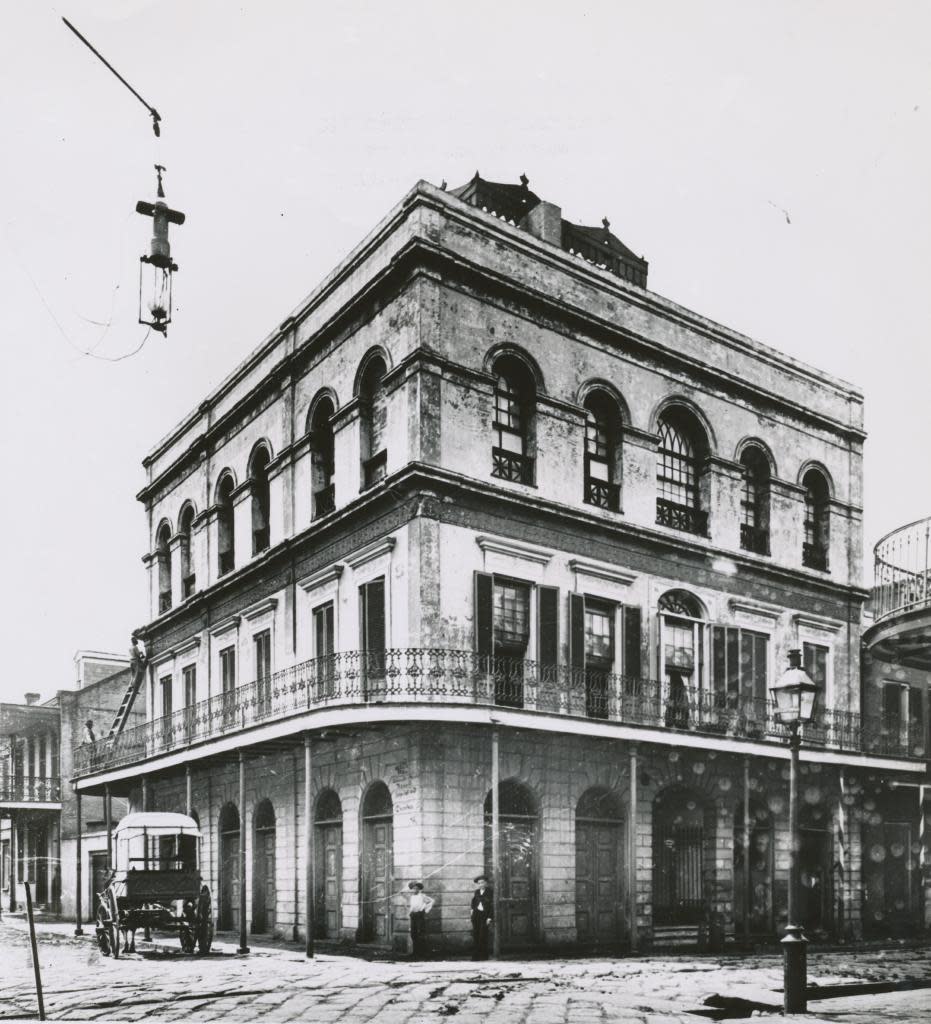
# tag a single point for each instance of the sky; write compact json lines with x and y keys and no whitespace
{"x":771,"y":161}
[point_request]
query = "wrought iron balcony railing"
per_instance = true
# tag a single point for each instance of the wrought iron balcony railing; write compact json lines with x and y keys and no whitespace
{"x":226,"y":562}
{"x":30,"y":789}
{"x":815,"y":556}
{"x":434,"y":676}
{"x":902,"y":570}
{"x":603,"y":494}
{"x":681,"y":517}
{"x":189,"y":584}
{"x":260,"y":540}
{"x":375,"y":468}
{"x":511,"y":466}
{"x":164,"y":601}
{"x":754,"y":538}
{"x":324,"y":501}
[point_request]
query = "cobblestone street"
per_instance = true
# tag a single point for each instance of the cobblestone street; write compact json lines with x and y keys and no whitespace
{"x":280,"y":985}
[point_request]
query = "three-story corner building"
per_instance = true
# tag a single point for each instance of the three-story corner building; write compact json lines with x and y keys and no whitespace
{"x":484,"y":509}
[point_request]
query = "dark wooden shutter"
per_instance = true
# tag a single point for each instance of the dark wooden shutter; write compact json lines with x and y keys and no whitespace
{"x":576,"y":631}
{"x":484,"y":614}
{"x":918,"y":729}
{"x":548,"y":626}
{"x":372,"y":596}
{"x":632,"y":631}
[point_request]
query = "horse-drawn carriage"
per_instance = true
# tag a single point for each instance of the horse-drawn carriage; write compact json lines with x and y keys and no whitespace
{"x":155,"y":882}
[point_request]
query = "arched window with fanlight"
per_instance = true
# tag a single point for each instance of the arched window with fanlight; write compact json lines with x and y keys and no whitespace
{"x":602,"y":451}
{"x":226,"y":530}
{"x":512,"y":453}
{"x":682,"y":659}
{"x":321,"y":458}
{"x":163,"y":558}
{"x":373,"y":416}
{"x":754,"y":501}
{"x":261,"y":499}
{"x":816,"y":522}
{"x":679,"y":464}
{"x":186,"y":533}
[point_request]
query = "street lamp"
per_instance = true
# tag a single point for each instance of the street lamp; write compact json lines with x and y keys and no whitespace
{"x":794,"y":697}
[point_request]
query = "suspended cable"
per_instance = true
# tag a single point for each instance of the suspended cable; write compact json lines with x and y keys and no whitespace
{"x":156,"y":117}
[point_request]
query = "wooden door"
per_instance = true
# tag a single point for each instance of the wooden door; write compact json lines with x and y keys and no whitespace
{"x":377,"y":887}
{"x":263,"y":881}
{"x":899,"y":895}
{"x":598,"y":881}
{"x":40,"y":848}
{"x":815,"y":888}
{"x":229,"y":881}
{"x":329,"y":880}
{"x":516,"y":900}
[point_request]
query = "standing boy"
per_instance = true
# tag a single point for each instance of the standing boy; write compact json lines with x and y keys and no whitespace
{"x":482,"y":914}
{"x":421,"y":905}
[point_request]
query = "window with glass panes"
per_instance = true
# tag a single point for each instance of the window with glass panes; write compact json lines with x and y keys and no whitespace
{"x":323,"y":630}
{"x":740,"y":663}
{"x":750,"y":495}
{"x":165,"y":683}
{"x":815,"y":660}
{"x":228,"y":669}
{"x":262,"y":644}
{"x":677,"y":466}
{"x":597,"y":446}
{"x":189,"y":675}
{"x":509,"y":418}
{"x":511,"y":617}
{"x":599,"y":635}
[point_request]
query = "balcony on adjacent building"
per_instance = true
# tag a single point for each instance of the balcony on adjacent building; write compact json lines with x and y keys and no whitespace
{"x":18,"y":789}
{"x":902,"y":570}
{"x":455,"y":677}
{"x":681,"y":517}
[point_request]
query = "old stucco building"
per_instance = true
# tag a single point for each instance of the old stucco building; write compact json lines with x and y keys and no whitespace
{"x":484,"y":504}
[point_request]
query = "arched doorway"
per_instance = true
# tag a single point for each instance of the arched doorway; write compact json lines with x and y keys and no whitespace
{"x":753,"y":893}
{"x":517,"y":818}
{"x":816,"y":846}
{"x":263,"y":869}
{"x":228,"y":827}
{"x":678,"y":859}
{"x":377,"y":864}
{"x":328,"y":850}
{"x":598,"y":867}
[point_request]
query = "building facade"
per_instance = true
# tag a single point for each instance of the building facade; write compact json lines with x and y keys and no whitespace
{"x":487,"y":532}
{"x":39,"y":825}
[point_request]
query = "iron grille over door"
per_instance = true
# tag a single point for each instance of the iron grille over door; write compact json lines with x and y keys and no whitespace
{"x":677,"y":874}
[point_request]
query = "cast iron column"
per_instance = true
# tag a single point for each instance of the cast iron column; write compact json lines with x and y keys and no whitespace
{"x":495,"y":871}
{"x":243,"y":948}
{"x":108,"y":819}
{"x":793,"y":944}
{"x":188,"y":795}
{"x":632,"y":851}
{"x":748,"y":886}
{"x":308,"y":852}
{"x":78,"y":930}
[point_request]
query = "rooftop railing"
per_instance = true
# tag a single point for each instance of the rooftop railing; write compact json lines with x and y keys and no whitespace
{"x":30,"y":789}
{"x":433,"y":676}
{"x":902,"y":570}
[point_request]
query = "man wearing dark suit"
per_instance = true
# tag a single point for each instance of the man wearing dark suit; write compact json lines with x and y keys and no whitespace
{"x":482,"y":915}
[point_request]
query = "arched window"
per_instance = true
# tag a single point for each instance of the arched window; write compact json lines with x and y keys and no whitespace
{"x":225,"y":525}
{"x":163,"y":557}
{"x":373,"y":415}
{"x":602,"y":451}
{"x":261,"y":499}
{"x":515,"y":400}
{"x":754,"y":501}
{"x":815,"y":546}
{"x":185,"y":529}
{"x":682,"y":450}
{"x":321,"y":455}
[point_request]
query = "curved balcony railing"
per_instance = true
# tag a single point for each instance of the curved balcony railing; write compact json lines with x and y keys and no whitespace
{"x":902,"y":570}
{"x":423,"y":675}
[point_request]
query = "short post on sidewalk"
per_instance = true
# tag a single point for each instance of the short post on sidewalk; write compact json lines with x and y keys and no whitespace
{"x":35,"y":951}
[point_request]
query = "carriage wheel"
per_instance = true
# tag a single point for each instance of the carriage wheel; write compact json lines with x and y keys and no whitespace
{"x":204,"y":922}
{"x":103,"y":930}
{"x":113,"y":927}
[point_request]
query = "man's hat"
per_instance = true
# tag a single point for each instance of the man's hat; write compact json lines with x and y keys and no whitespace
{"x":480,"y":878}
{"x":415,"y":885}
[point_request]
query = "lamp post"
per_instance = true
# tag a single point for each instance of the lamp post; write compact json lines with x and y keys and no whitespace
{"x":794,"y":697}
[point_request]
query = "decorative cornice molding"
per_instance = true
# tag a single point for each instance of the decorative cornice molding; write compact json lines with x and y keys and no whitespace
{"x":188,"y":645}
{"x":226,"y":626}
{"x":260,"y":608}
{"x":381,"y":547}
{"x":763,"y":611}
{"x":525,"y":552}
{"x":602,"y":571}
{"x":318,"y":579}
{"x":817,"y":622}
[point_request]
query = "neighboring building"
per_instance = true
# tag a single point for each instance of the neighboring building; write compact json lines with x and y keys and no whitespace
{"x":38,"y":814}
{"x":897,"y":689}
{"x":485,"y":504}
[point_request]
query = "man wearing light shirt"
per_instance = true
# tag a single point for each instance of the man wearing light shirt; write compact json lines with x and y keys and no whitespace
{"x":420,"y":906}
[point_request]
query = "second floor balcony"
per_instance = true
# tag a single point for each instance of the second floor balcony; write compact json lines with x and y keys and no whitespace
{"x":455,"y":677}
{"x":28,"y":789}
{"x":902,"y":570}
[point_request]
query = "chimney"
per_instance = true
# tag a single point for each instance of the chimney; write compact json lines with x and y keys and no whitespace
{"x":32,"y":698}
{"x":544,"y":221}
